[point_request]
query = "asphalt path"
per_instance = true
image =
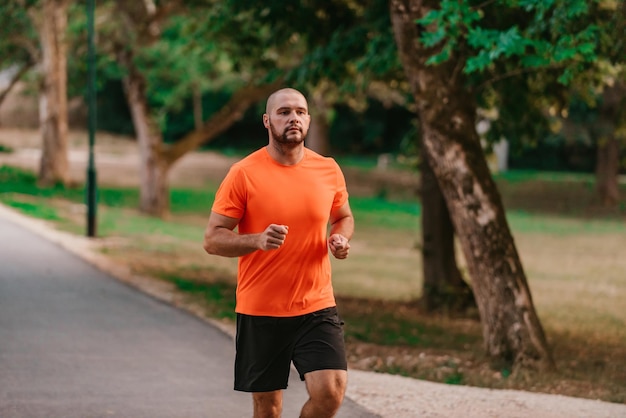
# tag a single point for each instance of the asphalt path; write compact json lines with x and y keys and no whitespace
{"x":77,"y":343}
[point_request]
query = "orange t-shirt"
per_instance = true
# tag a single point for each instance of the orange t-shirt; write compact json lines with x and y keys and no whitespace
{"x":296,"y":278}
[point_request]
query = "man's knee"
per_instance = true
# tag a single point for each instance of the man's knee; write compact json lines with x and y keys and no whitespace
{"x":327,"y":388}
{"x":267,"y":404}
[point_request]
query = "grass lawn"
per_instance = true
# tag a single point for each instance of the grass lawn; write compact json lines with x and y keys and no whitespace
{"x":574,"y":255}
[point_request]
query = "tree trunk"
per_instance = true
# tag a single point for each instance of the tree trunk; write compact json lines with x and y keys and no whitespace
{"x":153,"y":168}
{"x":444,"y":288}
{"x":512,"y":332}
{"x":54,"y":165}
{"x":317,"y":138}
{"x":607,"y":171}
{"x":611,"y":119}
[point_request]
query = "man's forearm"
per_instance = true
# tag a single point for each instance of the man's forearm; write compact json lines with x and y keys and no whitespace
{"x":343,"y":226}
{"x":227,"y":243}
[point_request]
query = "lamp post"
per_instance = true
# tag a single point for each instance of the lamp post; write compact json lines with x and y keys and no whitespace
{"x":91,"y":190}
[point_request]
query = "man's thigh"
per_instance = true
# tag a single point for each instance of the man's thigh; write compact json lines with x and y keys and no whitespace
{"x":263,"y":353}
{"x":320,"y":345}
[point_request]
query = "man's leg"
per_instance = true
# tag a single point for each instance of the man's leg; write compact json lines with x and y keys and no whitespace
{"x":268,"y":404}
{"x":326,"y":391}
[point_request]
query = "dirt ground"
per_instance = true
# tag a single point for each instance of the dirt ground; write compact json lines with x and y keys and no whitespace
{"x":116,"y":164}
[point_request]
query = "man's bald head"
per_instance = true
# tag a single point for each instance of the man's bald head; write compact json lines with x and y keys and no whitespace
{"x":272,"y":100}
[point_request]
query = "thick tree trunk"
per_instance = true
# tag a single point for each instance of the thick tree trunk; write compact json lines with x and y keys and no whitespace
{"x":512,"y":332}
{"x":444,"y":288}
{"x":54,"y":165}
{"x":317,"y":138}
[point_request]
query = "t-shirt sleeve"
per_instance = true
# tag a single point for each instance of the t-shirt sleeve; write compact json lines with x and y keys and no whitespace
{"x":341,"y":193}
{"x":230,"y":198}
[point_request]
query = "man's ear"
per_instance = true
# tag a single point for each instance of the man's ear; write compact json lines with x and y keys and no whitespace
{"x":266,"y":120}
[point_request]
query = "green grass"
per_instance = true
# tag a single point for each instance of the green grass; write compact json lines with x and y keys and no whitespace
{"x":389,"y":328}
{"x":36,"y":210}
{"x":219,"y":298}
{"x":524,"y":222}
{"x":517,"y":176}
{"x":16,"y":180}
{"x":368,"y":163}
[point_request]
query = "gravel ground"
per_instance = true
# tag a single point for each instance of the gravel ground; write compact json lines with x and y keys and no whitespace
{"x":398,"y":396}
{"x":389,"y":396}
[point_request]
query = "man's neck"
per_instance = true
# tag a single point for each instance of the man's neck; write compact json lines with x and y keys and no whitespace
{"x":286,"y":154}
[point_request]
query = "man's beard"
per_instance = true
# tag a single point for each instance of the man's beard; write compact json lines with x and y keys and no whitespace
{"x":283,"y":139}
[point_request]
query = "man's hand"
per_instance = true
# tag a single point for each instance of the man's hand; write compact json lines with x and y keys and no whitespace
{"x":339,"y":246}
{"x":273,"y":237}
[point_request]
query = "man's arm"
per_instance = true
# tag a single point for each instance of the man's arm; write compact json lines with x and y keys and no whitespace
{"x":221,"y":239}
{"x":341,"y":231}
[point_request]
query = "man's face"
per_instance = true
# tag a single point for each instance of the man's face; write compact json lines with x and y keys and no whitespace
{"x":288,"y":120}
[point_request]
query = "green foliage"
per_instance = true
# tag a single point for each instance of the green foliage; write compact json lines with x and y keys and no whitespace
{"x":523,"y":57}
{"x":18,"y":39}
{"x":561,"y":34}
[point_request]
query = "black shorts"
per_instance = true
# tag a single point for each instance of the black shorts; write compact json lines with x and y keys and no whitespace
{"x":267,"y":345}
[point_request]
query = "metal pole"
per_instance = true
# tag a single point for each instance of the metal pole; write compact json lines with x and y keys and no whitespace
{"x":91,"y":192}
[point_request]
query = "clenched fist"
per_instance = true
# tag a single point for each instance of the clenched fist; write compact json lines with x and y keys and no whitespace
{"x":339,"y":246}
{"x":273,"y":237}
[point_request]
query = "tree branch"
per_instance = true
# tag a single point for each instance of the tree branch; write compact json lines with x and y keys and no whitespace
{"x":18,"y":75}
{"x":220,"y":121}
{"x":28,"y":45}
{"x":513,"y":73}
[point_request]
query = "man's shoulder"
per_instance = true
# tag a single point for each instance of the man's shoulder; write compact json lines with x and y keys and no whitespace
{"x":317,"y":161}
{"x":254,"y":158}
{"x":318,"y":158}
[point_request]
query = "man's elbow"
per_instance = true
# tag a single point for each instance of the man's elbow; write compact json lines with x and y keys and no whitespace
{"x":209,"y":246}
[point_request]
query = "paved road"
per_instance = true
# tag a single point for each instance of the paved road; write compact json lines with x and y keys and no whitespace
{"x":76,"y":343}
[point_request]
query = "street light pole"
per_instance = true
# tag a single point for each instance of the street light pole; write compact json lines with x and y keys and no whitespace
{"x":91,"y":192}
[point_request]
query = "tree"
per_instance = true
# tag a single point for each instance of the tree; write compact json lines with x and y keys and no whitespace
{"x":606,"y":93}
{"x":51,"y":20}
{"x":454,"y":53}
{"x":167,"y":50}
{"x":600,"y":120}
{"x":610,"y":131}
{"x":447,"y":113}
{"x":23,"y":22}
{"x":164,"y":56}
